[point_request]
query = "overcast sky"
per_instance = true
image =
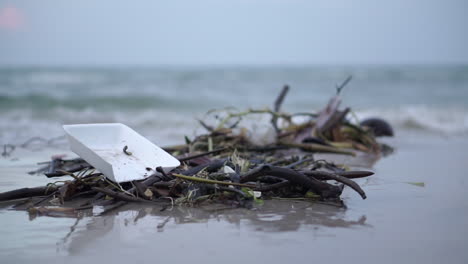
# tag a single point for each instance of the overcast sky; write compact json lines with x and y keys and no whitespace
{"x":206,"y":32}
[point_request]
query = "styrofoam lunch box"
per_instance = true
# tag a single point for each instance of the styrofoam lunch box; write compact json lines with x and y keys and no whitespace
{"x":102,"y":146}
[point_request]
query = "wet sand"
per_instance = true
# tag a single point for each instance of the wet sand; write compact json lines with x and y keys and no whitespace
{"x":398,"y":223}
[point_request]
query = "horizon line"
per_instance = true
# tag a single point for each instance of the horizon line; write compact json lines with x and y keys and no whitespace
{"x":228,"y":65}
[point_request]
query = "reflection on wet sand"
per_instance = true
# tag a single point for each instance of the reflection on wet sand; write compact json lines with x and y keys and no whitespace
{"x":272,"y":216}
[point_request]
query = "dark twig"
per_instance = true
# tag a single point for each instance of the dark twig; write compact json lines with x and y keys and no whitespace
{"x":338,"y":178}
{"x":299,"y":162}
{"x":44,"y":199}
{"x":216,"y":151}
{"x":343,"y":84}
{"x":120,"y":196}
{"x":164,"y":174}
{"x":60,"y":173}
{"x":279,"y":100}
{"x":31,"y":140}
{"x":27,"y":192}
{"x":7,"y":150}
{"x":205,"y":126}
{"x":277,"y":106}
{"x":355,"y":174}
{"x":210,"y":167}
{"x":155,"y":177}
{"x":323,"y":189}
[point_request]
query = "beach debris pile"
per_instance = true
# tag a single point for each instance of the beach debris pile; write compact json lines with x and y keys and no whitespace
{"x":225,"y":166}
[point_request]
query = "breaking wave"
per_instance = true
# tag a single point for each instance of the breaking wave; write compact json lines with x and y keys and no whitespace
{"x":162,"y":104}
{"x":17,"y":126}
{"x":169,"y":126}
{"x":447,"y":121}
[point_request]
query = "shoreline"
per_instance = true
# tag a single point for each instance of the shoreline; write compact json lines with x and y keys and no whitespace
{"x":399,"y":221}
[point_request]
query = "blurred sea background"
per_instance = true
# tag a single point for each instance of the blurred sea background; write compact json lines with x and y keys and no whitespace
{"x":163,"y":103}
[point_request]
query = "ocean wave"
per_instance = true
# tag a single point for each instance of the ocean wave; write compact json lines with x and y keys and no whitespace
{"x":170,"y":126}
{"x":44,"y":102}
{"x":167,"y":127}
{"x":447,"y":120}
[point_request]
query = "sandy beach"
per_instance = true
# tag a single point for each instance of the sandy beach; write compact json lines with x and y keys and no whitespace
{"x":416,"y":212}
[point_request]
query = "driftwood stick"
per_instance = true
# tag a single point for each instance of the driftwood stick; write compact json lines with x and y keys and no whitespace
{"x":208,"y":181}
{"x":27,"y":192}
{"x":120,"y":196}
{"x":45,"y":198}
{"x":355,"y":174}
{"x":279,"y":100}
{"x":277,"y":106}
{"x":124,"y":198}
{"x":338,"y":178}
{"x":210,"y":167}
{"x":155,"y":177}
{"x":323,"y":189}
{"x":60,"y":173}
{"x":345,"y":82}
{"x":116,"y":195}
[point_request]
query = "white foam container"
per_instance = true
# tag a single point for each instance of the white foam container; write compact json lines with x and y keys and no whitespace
{"x":101,"y":145}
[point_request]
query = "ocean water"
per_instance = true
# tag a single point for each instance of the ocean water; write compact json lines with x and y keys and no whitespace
{"x":163,"y":103}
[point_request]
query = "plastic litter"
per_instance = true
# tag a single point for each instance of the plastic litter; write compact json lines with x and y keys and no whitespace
{"x":117,"y":151}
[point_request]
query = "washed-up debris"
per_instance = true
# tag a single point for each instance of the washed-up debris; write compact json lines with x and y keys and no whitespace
{"x":226,"y":166}
{"x":106,"y":148}
{"x":33,"y":144}
{"x":419,"y":184}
